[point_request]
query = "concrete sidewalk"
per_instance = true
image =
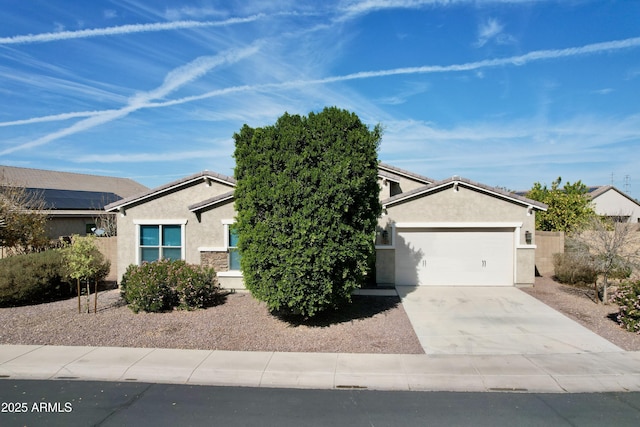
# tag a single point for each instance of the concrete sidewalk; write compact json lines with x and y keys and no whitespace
{"x":555,"y":373}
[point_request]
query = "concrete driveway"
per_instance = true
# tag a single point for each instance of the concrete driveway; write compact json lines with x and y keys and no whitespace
{"x":493,"y":320}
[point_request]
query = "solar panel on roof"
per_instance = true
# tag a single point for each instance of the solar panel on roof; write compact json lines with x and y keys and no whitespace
{"x":72,"y":199}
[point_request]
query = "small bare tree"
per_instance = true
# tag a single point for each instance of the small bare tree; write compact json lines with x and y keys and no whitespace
{"x":24,"y":218}
{"x":107,"y":223}
{"x":613,"y":248}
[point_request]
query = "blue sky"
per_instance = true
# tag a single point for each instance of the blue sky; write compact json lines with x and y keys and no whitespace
{"x":504,"y":92}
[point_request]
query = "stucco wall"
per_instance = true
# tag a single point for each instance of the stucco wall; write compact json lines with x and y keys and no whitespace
{"x":548,"y":243}
{"x":612,"y":203}
{"x":407,"y":184}
{"x":61,"y":226}
{"x":207,"y":230}
{"x":385,"y":266}
{"x":464,"y":205}
{"x":108,"y":246}
{"x":525,"y":266}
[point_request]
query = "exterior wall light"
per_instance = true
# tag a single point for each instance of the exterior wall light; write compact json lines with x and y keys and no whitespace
{"x":527,"y":237}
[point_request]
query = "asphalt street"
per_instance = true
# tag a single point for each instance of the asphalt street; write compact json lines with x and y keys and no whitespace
{"x":87,"y":403}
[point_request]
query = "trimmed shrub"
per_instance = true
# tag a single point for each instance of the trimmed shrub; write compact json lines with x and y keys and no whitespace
{"x":166,"y":284}
{"x":628,"y":299}
{"x":307,"y":199}
{"x":574,"y":268}
{"x":33,"y":278}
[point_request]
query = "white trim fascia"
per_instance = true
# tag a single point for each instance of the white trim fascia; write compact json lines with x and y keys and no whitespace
{"x":464,"y":184}
{"x":212,"y":203}
{"x":160,"y":221}
{"x":526,"y":246}
{"x":404,"y":175}
{"x":171,"y":188}
{"x":232,"y":273}
{"x":228,"y":221}
{"x":137,"y":244}
{"x":504,"y":196}
{"x":458,"y":224}
{"x":212,"y":249}
{"x":384,"y":247}
{"x":411,"y":196}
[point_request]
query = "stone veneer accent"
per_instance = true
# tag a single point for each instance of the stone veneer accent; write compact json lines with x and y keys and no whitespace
{"x":218,"y":260}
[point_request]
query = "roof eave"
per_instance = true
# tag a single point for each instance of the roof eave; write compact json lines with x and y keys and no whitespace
{"x":204,"y":176}
{"x":461,"y":181}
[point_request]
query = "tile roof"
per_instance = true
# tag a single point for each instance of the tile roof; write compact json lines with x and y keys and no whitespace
{"x":597,"y":191}
{"x":55,"y":180}
{"x":204,"y":175}
{"x":211,"y":202}
{"x":450,"y":181}
{"x":402,"y":172}
{"x":388,"y":175}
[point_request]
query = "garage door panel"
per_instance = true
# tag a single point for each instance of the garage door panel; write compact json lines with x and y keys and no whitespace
{"x":455,"y":257}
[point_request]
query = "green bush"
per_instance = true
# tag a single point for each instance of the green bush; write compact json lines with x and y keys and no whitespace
{"x":33,"y":278}
{"x":574,"y":268}
{"x":628,"y":299}
{"x":167,"y":284}
{"x":307,"y":199}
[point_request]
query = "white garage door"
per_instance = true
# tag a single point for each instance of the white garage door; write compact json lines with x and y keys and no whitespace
{"x":462,"y":257}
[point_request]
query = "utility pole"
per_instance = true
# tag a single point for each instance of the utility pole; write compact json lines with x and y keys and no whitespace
{"x":626,"y":184}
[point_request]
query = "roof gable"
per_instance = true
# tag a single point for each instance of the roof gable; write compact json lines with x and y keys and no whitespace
{"x":205,"y":176}
{"x":454,"y":182}
{"x":595,"y":192}
{"x":393,"y":171}
{"x":213,"y":201}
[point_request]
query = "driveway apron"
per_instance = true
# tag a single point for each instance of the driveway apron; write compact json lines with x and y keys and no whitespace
{"x":493,"y":320}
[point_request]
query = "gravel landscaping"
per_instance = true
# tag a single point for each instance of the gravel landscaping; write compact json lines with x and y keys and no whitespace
{"x":579,"y":304}
{"x":369,"y":325}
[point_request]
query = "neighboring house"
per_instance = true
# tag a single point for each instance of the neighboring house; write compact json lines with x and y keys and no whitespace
{"x":73,"y":201}
{"x":450,"y":232}
{"x":610,"y":202}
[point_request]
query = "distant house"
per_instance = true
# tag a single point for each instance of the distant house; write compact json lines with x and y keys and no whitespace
{"x":72,"y":200}
{"x":454,"y":232}
{"x":610,"y":202}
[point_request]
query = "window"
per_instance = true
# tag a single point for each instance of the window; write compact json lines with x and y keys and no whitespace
{"x":234,"y":254}
{"x":160,"y":241}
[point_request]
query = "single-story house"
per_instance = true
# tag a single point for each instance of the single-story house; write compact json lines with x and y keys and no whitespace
{"x":450,"y":232}
{"x":72,"y":201}
{"x":610,"y":202}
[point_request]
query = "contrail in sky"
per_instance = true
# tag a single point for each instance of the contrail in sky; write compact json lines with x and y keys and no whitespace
{"x":195,"y":69}
{"x":172,"y":82}
{"x":123,"y":29}
{"x":519,"y":60}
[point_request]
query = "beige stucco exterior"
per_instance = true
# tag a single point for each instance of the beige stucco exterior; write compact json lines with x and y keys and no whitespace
{"x":458,"y":205}
{"x":205,"y":224}
{"x":59,"y":225}
{"x":204,"y":230}
{"x":615,"y":204}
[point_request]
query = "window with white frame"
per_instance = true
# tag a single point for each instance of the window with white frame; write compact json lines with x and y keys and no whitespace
{"x":234,"y":254}
{"x":158,"y":241}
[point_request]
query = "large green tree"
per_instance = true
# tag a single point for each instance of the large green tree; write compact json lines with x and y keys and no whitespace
{"x":569,"y":207}
{"x":307,"y":207}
